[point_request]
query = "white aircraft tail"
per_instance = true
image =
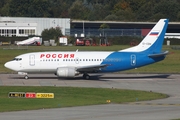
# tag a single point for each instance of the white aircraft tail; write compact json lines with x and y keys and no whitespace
{"x":153,"y":41}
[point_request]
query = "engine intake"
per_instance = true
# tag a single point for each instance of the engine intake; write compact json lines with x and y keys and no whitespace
{"x":66,"y":72}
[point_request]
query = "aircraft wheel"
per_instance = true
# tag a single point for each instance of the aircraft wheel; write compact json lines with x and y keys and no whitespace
{"x":86,"y":76}
{"x":26,"y":77}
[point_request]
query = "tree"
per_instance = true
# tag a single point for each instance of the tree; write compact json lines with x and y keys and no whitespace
{"x":104,"y":26}
{"x":4,"y":7}
{"x":78,"y":10}
{"x":99,"y":12}
{"x":29,"y":8}
{"x":123,"y":10}
{"x":58,"y":8}
{"x":145,"y":11}
{"x":167,"y":8}
{"x":52,"y":33}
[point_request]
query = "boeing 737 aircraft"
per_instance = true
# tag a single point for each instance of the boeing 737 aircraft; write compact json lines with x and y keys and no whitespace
{"x":71,"y":64}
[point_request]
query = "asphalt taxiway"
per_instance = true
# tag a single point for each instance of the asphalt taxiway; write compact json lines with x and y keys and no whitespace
{"x":163,"y":109}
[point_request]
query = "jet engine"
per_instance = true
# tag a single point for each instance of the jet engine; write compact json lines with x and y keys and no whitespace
{"x":66,"y":72}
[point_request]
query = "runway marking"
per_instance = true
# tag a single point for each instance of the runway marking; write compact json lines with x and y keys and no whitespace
{"x":154,"y":104}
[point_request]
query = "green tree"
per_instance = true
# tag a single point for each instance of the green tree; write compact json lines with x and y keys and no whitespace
{"x":136,"y":4}
{"x":29,"y":8}
{"x":104,"y":26}
{"x":78,"y":10}
{"x":52,"y":33}
{"x":123,"y":10}
{"x":99,"y":12}
{"x":146,"y":11}
{"x":4,"y":7}
{"x":59,"y":8}
{"x":111,"y":17}
{"x":166,"y":8}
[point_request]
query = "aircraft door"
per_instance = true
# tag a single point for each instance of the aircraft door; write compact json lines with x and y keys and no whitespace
{"x":32,"y":60}
{"x":133,"y":60}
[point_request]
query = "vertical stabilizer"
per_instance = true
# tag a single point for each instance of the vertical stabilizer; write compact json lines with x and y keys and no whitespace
{"x":153,"y":41}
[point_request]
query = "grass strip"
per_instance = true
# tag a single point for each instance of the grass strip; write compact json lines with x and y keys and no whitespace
{"x":70,"y":96}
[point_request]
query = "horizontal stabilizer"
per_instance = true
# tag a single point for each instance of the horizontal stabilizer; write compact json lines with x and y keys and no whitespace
{"x":159,"y":54}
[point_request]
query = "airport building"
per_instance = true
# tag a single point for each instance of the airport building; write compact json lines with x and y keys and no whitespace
{"x":25,"y":26}
{"x":119,"y":28}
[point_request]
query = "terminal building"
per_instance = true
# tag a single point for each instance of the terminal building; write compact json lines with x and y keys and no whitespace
{"x":119,"y":28}
{"x":26,"y":26}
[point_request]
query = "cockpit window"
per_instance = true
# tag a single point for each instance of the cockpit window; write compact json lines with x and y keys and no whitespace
{"x":17,"y":59}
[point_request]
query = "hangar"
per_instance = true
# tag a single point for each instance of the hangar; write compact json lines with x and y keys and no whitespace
{"x":25,"y":26}
{"x":118,"y":28}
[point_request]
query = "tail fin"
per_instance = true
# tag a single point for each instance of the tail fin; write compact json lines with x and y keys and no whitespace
{"x":153,"y":41}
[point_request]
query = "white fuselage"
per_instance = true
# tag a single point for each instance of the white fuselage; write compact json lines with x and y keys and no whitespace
{"x":50,"y":61}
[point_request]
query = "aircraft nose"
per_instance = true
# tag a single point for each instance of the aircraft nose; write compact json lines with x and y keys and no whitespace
{"x":11,"y":65}
{"x":7,"y":65}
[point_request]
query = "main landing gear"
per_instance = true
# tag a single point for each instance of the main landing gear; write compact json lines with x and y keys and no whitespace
{"x":86,"y":76}
{"x":26,"y":77}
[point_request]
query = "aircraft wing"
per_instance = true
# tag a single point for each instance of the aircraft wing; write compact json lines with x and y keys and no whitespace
{"x":159,"y":54}
{"x":91,"y":68}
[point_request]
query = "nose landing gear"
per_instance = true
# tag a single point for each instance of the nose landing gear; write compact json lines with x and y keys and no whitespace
{"x":25,"y":75}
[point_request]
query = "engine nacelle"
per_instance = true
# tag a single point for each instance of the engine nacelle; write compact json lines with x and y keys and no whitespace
{"x":66,"y":72}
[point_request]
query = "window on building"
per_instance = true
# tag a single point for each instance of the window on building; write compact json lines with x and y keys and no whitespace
{"x":21,"y":31}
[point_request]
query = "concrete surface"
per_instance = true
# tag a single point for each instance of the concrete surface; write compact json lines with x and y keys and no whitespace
{"x":164,"y":109}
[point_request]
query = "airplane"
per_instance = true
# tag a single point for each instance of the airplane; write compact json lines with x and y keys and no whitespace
{"x":73,"y":63}
{"x":31,"y":41}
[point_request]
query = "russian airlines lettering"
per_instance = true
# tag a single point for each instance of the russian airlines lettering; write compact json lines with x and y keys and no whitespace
{"x":57,"y":55}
